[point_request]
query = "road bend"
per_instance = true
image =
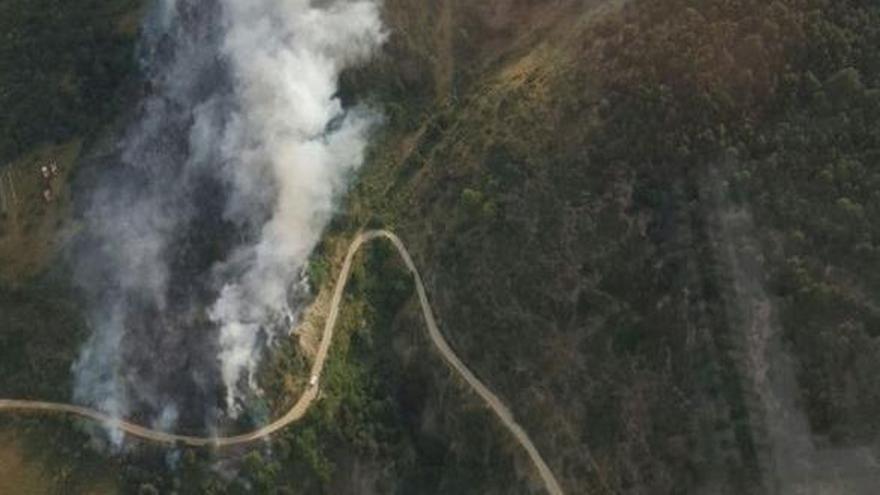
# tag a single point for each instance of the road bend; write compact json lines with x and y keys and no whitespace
{"x":305,"y":401}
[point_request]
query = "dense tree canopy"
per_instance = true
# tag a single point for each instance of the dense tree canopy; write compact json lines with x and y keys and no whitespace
{"x":61,"y":67}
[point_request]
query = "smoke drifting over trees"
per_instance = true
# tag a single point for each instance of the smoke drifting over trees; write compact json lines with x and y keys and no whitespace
{"x":196,"y":236}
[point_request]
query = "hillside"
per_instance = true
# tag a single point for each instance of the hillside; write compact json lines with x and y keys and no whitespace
{"x":561,"y":195}
{"x":649,"y":227}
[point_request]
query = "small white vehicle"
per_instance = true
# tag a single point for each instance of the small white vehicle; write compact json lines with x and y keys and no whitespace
{"x":313,"y":381}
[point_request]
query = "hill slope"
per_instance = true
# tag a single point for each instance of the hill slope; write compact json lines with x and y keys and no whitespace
{"x":559,"y":195}
{"x":650,"y":227}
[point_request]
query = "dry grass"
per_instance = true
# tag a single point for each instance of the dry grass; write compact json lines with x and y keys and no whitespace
{"x":18,"y":475}
{"x":28,"y":224}
{"x":25,"y":472}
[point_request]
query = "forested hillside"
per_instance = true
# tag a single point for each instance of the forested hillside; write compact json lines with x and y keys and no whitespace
{"x":625,"y":214}
{"x":557,"y":196}
{"x":61,"y":67}
{"x":67,"y":72}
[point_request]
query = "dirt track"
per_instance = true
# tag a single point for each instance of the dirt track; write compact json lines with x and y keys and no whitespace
{"x":305,"y":401}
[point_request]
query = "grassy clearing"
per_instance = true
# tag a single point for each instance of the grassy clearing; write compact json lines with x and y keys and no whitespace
{"x":29,"y":225}
{"x":31,"y":465}
{"x":18,"y":475}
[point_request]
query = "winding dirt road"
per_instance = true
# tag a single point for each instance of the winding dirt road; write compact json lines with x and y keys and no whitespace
{"x":305,"y":401}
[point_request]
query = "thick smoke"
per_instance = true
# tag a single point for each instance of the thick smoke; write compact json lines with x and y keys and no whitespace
{"x":197,"y":232}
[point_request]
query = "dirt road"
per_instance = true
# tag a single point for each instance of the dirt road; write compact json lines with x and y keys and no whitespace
{"x":305,"y":401}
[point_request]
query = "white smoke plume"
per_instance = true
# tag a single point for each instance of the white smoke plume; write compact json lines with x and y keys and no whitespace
{"x":243,"y":133}
{"x":286,"y":57}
